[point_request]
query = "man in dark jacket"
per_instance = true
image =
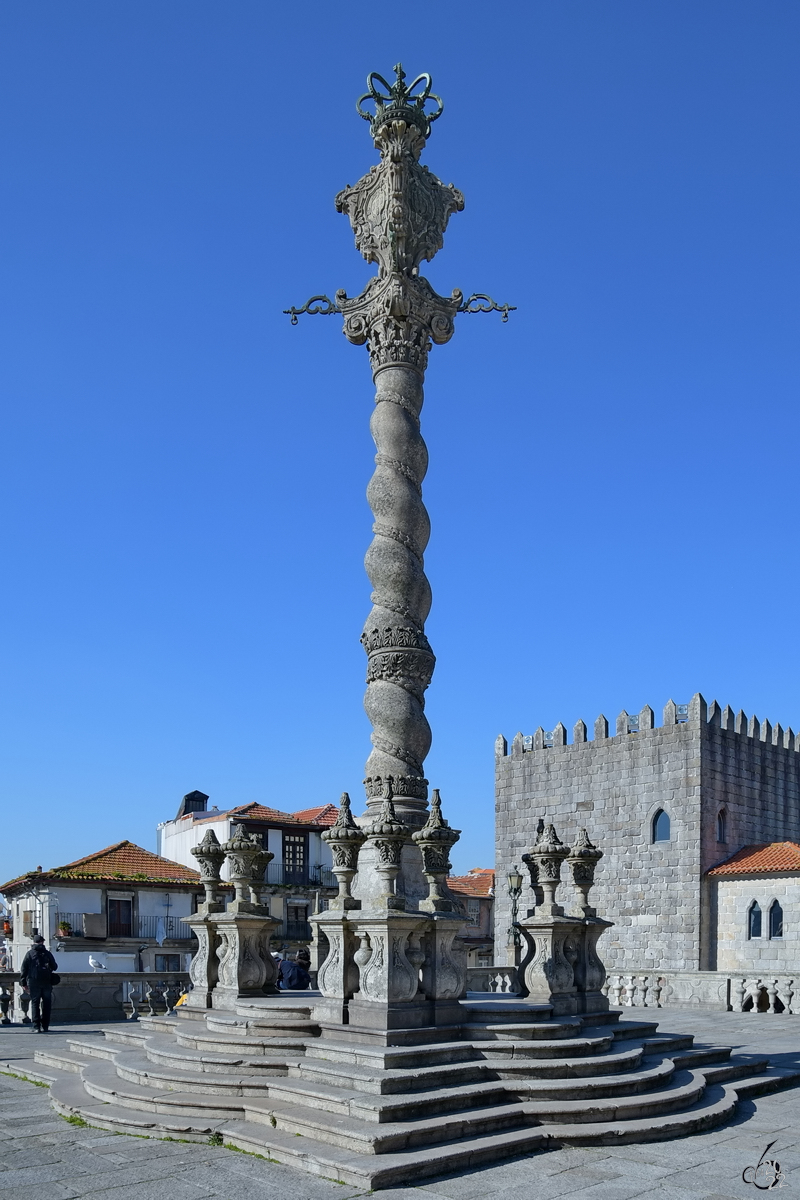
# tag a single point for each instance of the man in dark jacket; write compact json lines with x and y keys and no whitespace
{"x":36,"y":976}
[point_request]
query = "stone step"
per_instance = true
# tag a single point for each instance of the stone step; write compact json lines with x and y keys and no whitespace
{"x":384,"y":1108}
{"x":131,"y":1034}
{"x":534,"y":1048}
{"x":102,"y":1082}
{"x":508,"y":1060}
{"x":367,"y":1137}
{"x":734,"y":1068}
{"x":716,"y":1105}
{"x":135,"y":1068}
{"x":499,"y":1011}
{"x":681,"y":1092}
{"x":391,"y":1056}
{"x":384,"y":1170}
{"x":623,"y":1029}
{"x":92,"y":1047}
{"x":227,"y":1043}
{"x":653,"y":1073}
{"x":63,"y":1060}
{"x":775,"y":1079}
{"x":480,"y":1030}
{"x":69,"y":1097}
{"x":376,"y":1081}
{"x":208,"y":1060}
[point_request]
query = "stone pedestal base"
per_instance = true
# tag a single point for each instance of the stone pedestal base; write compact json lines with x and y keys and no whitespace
{"x":561,"y":966}
{"x":554,"y":943}
{"x":203,"y":970}
{"x":246,"y":966}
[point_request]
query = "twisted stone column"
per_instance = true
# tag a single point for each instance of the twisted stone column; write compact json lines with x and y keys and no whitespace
{"x":400,"y":660}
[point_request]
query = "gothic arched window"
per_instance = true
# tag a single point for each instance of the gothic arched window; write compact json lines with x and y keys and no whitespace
{"x":661,"y":826}
{"x":754,"y":920}
{"x":722,"y":821}
{"x":775,"y":920}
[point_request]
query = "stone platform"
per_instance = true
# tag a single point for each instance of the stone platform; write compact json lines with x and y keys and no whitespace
{"x":513,"y":1080}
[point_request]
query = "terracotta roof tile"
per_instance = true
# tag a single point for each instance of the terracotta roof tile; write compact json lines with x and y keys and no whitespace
{"x":123,"y":860}
{"x":325,"y":814}
{"x":477,"y":883}
{"x":774,"y":856}
{"x":261,"y":812}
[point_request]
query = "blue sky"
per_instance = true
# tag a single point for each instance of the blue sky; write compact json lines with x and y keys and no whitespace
{"x":613,"y":473}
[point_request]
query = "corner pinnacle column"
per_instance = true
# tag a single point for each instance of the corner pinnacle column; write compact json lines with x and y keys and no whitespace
{"x":399,"y":212}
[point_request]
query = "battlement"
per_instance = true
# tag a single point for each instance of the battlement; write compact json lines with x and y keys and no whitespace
{"x":696,"y":713}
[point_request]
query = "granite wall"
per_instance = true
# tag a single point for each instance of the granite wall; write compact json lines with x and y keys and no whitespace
{"x":700,"y":761}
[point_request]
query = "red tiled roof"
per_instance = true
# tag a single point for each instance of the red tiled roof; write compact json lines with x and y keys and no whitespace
{"x":269,"y":816}
{"x":261,"y":812}
{"x":774,"y":856}
{"x":325,"y":814}
{"x":477,"y":883}
{"x":122,"y":861}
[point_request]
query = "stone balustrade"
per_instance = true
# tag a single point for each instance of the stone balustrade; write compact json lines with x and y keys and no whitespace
{"x":722,"y":990}
{"x":502,"y":980}
{"x":104,"y":996}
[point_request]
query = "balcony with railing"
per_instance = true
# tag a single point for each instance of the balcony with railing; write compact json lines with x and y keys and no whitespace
{"x":282,"y":875}
{"x":168,"y":928}
{"x":294,"y":931}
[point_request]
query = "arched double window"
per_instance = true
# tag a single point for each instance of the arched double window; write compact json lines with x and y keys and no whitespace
{"x":661,"y":826}
{"x":722,"y":823}
{"x":754,"y":920}
{"x":775,"y":920}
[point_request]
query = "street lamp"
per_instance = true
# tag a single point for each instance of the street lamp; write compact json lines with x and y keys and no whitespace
{"x":514,"y":879}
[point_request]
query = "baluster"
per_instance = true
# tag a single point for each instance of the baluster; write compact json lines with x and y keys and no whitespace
{"x":644,"y":988}
{"x":5,"y":1004}
{"x":25,"y":1003}
{"x":737,"y":995}
{"x":630,"y":990}
{"x":654,"y":995}
{"x":615,"y":988}
{"x":772,"y":991}
{"x":171,"y":994}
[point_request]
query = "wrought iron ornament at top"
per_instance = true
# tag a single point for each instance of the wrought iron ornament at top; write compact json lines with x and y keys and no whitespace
{"x":399,"y":212}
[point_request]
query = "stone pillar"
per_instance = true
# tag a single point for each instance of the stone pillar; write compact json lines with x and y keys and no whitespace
{"x":246,"y":967}
{"x":562,"y":966}
{"x":203,"y":969}
{"x":337,"y":977}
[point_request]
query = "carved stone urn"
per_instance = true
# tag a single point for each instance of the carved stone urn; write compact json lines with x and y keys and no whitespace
{"x":345,"y":839}
{"x":435,"y":840}
{"x":387,"y":836}
{"x":582,"y":860}
{"x":548,"y":853}
{"x":210,"y":857}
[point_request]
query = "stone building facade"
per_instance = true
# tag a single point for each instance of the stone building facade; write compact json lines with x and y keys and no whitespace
{"x":665,"y":804}
{"x":755,"y":899}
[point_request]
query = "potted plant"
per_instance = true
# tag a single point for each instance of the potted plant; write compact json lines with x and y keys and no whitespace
{"x":64,"y":929}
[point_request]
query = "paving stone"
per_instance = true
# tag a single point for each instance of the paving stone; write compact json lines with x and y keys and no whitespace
{"x":49,"y":1191}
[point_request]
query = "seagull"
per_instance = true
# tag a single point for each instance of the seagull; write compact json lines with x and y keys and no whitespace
{"x":96,"y":965}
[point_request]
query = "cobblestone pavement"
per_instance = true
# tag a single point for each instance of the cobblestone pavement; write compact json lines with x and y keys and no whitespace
{"x":43,"y":1157}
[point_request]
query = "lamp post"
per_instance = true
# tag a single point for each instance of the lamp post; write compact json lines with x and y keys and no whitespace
{"x":514,"y":879}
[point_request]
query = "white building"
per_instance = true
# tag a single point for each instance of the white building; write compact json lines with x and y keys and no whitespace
{"x":122,"y":906}
{"x":297,"y":881}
